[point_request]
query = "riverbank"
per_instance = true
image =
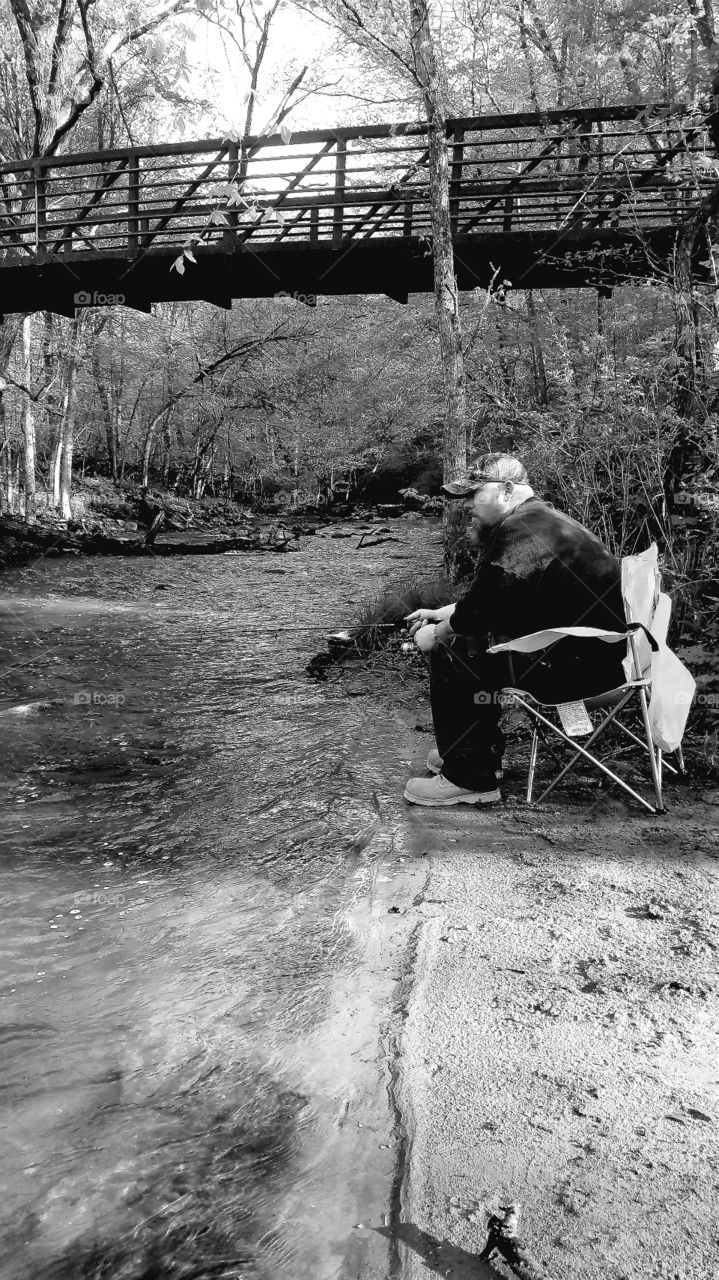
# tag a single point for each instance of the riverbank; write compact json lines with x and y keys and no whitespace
{"x":560,"y":1043}
{"x":116,"y":520}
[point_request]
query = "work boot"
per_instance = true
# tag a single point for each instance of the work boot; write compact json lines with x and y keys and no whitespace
{"x":439,"y":791}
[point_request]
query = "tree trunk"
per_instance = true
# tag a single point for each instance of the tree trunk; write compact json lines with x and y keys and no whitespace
{"x":108,"y":409}
{"x":686,"y":448}
{"x":541,"y":393}
{"x":53,"y":404}
{"x":104,"y":391}
{"x":505,"y":365}
{"x":69,"y":409}
{"x":149,"y":444}
{"x":685,"y":345}
{"x":28,"y":422}
{"x":55,"y":469}
{"x":445,"y":283}
{"x":602,"y":371}
{"x":9,"y":331}
{"x":5,"y":462}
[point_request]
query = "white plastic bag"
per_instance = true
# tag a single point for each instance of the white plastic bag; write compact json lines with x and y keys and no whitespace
{"x":673,"y":687}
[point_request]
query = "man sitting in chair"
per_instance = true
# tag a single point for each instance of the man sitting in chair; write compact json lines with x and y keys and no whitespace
{"x":536,"y":569}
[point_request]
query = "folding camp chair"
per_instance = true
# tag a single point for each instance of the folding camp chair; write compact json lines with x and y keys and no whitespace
{"x":647,"y":613}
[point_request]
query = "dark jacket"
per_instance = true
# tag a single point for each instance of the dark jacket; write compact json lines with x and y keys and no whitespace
{"x":537,"y":569}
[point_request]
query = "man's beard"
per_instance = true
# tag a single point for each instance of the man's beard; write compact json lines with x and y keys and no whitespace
{"x":477,"y":535}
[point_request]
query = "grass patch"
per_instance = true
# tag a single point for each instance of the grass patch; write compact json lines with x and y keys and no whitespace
{"x":381,"y":616}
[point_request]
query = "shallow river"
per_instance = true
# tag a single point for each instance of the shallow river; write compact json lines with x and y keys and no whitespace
{"x":188,"y":824}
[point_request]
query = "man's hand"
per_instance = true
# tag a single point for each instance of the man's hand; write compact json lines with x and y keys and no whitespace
{"x":426,"y":638}
{"x":421,"y":616}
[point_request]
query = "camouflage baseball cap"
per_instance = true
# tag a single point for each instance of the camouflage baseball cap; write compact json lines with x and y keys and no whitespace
{"x":485,"y":468}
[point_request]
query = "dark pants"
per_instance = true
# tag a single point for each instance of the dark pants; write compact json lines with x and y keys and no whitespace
{"x":464,"y":688}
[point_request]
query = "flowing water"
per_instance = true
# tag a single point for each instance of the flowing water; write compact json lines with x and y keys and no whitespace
{"x":188,"y":824}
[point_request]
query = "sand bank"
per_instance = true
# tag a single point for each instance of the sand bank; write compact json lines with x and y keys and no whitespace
{"x":561,"y":1047}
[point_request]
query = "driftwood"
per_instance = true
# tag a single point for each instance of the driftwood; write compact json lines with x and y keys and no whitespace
{"x":378,"y":535}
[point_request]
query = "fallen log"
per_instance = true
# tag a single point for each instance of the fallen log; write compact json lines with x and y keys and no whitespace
{"x":212,"y":547}
{"x":20,"y":542}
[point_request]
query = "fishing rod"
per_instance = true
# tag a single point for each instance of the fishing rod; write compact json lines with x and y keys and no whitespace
{"x":354,"y":626}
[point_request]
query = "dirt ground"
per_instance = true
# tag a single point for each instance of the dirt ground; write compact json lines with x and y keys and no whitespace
{"x":559,"y":1047}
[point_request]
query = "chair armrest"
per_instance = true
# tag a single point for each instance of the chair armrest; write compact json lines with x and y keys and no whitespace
{"x":542,"y":639}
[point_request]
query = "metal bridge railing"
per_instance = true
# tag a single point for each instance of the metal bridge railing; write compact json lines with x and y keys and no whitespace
{"x":625,"y":168}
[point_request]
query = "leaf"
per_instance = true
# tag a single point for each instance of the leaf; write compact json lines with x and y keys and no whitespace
{"x":268,"y":215}
{"x":179,"y":265}
{"x":280,"y":217}
{"x":187,"y":253}
{"x":285,"y":133}
{"x":218,"y":218}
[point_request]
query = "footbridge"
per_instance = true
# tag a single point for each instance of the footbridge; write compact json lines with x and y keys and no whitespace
{"x":578,"y":197}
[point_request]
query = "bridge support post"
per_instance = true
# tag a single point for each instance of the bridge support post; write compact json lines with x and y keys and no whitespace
{"x":340,"y":179}
{"x":455,"y":183}
{"x":133,"y":203}
{"x":40,"y":209}
{"x":232,"y":171}
{"x":407,"y":225}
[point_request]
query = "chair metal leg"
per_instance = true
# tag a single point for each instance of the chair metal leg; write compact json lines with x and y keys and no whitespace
{"x":640,"y":742}
{"x":532,"y":764}
{"x":680,"y":759}
{"x":656,"y":777}
{"x":581,"y":751}
{"x":599,"y":729}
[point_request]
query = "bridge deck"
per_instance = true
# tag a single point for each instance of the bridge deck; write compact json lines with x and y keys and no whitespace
{"x":585,"y":196}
